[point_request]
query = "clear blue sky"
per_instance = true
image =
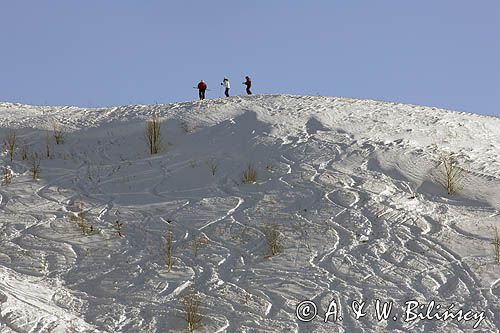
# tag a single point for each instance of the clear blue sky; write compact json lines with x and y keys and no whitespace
{"x":443,"y":53}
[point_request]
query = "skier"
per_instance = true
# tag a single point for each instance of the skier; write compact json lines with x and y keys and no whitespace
{"x":202,"y":86}
{"x":226,"y":85}
{"x":248,"y":83}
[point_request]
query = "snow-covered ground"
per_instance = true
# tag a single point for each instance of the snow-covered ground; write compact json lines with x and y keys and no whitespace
{"x":351,"y":186}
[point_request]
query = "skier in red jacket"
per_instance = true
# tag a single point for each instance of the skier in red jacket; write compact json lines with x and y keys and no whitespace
{"x":202,"y":86}
{"x":248,"y":83}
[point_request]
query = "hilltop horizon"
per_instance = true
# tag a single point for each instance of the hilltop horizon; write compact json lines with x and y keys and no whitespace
{"x":243,"y":95}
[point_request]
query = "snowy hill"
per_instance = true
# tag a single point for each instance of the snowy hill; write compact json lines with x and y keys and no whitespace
{"x":348,"y":191}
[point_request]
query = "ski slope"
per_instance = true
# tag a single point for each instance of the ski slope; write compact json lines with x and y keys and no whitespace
{"x":351,"y":186}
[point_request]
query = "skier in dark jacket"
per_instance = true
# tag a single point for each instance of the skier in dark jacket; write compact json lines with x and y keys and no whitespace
{"x":202,"y":86}
{"x":248,"y":83}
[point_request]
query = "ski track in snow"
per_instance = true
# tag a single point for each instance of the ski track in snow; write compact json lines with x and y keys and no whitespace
{"x":350,"y":183}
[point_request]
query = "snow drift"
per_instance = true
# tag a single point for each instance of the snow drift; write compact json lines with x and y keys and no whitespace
{"x":350,"y":186}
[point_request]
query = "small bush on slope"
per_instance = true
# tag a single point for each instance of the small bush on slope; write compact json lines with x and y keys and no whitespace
{"x":10,"y":141}
{"x":24,"y":151}
{"x":7,"y":175}
{"x":496,"y":243}
{"x":249,"y":175}
{"x":274,"y":239}
{"x":153,"y":134}
{"x":198,"y":242}
{"x":451,"y":175}
{"x":118,"y":227}
{"x":35,"y":165}
{"x":191,"y":303}
{"x":184,"y":127}
{"x":81,"y":220}
{"x":212,"y":165}
{"x":169,"y":249}
{"x":47,"y":146}
{"x":58,"y":134}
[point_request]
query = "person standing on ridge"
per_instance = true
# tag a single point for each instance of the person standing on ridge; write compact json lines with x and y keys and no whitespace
{"x":226,"y":85}
{"x":202,"y":86}
{"x":248,"y":83}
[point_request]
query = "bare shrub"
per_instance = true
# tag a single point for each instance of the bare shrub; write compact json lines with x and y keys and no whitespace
{"x":153,"y":134}
{"x":81,"y":220}
{"x":451,"y":175}
{"x":274,"y":239}
{"x":47,"y":146}
{"x":197,"y":243}
{"x":212,"y":165}
{"x":10,"y":141}
{"x":94,"y":173}
{"x":496,"y":243}
{"x":248,"y":296}
{"x":118,"y":227}
{"x":58,"y":133}
{"x":184,"y":127}
{"x":24,"y":151}
{"x":169,"y":249}
{"x":249,"y":175}
{"x":7,"y":175}
{"x":35,"y":165}
{"x":191,"y":309}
